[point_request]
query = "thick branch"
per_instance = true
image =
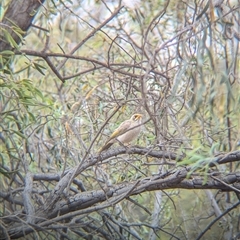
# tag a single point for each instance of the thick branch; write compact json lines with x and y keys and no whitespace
{"x":177,"y":179}
{"x":29,"y":208}
{"x":88,"y":202}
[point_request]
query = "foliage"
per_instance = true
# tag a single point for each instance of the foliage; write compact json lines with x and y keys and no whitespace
{"x":83,"y":68}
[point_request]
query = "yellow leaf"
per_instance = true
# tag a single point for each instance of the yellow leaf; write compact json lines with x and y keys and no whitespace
{"x":90,"y":93}
{"x":68,"y":128}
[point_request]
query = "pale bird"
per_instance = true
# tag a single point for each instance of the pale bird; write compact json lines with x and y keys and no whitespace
{"x":125,"y":133}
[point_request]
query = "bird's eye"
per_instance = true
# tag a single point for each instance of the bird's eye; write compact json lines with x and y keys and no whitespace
{"x":135,"y":118}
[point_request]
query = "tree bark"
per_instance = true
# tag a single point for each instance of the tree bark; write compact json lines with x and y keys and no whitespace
{"x":58,"y":208}
{"x":19,"y":14}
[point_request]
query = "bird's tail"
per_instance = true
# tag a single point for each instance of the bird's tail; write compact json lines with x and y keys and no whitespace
{"x":106,"y":146}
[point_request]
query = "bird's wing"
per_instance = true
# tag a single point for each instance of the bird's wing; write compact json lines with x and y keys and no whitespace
{"x":121,"y":129}
{"x":124,"y":126}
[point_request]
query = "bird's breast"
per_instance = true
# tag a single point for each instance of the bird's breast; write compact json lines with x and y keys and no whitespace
{"x":129,"y":135}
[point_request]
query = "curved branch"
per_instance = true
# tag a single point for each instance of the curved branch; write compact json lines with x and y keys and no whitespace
{"x":90,"y":201}
{"x":112,"y":67}
{"x":86,"y":202}
{"x":216,"y":219}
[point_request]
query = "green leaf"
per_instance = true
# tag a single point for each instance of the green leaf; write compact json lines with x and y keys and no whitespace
{"x":1,"y":12}
{"x":205,"y":178}
{"x":19,"y":134}
{"x":39,"y":68}
{"x":32,"y":116}
{"x":7,"y":52}
{"x":10,"y":39}
{"x":39,"y":93}
{"x":17,"y":30}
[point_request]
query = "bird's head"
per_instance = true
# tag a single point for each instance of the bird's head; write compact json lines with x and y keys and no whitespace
{"x":137,"y":117}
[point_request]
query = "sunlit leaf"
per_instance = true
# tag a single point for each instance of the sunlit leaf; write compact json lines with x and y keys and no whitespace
{"x":7,"y":52}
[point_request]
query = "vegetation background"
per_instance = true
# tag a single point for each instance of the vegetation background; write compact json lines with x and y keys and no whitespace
{"x":71,"y":71}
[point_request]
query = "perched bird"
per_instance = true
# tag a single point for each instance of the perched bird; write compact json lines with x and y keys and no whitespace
{"x":126,"y":132}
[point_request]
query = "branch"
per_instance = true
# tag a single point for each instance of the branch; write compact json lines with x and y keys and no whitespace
{"x":216,"y":219}
{"x":177,"y":179}
{"x":29,"y":208}
{"x":112,"y":67}
{"x":91,"y":161}
{"x":91,"y":34}
{"x":91,"y":201}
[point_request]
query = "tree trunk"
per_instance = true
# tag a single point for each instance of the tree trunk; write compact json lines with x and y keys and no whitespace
{"x":17,"y":18}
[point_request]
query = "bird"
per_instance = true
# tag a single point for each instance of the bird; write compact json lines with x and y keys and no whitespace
{"x":126,"y":132}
